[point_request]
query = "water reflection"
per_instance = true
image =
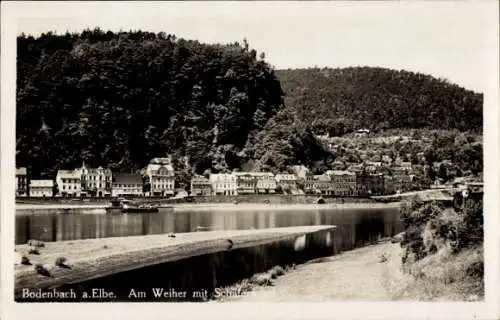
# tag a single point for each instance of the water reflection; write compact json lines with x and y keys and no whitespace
{"x":355,"y":226}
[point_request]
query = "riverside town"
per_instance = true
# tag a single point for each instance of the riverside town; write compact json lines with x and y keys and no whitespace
{"x":150,"y":167}
{"x":158,"y":180}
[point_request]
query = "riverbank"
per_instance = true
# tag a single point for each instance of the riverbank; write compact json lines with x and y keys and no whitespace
{"x":219,"y":199}
{"x":60,"y":206}
{"x":372,"y":273}
{"x":183,"y":207}
{"x":278,"y":207}
{"x":108,"y":262}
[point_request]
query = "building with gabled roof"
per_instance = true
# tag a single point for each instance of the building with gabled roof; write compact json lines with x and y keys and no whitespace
{"x":127,"y":184}
{"x":96,"y":181}
{"x":200,"y":186}
{"x":161,"y":176}
{"x":41,"y":188}
{"x":69,"y":183}
{"x":223,"y":183}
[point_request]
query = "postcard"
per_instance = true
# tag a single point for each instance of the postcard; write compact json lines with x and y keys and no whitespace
{"x":250,"y":159}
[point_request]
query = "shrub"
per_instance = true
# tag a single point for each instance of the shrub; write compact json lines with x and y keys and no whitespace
{"x":430,"y":227}
{"x":278,"y":270}
{"x":39,"y":268}
{"x":33,"y":250}
{"x":35,"y":243}
{"x":60,"y":261}
{"x":25,"y":260}
{"x":262,"y":279}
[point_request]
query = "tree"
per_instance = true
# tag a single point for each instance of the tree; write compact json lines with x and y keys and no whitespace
{"x":442,"y":172}
{"x":120,"y":99}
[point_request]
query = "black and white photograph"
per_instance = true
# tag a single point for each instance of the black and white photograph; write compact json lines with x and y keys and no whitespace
{"x":210,"y":153}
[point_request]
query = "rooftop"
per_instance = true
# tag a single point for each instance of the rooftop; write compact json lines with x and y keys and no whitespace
{"x":322,"y":177}
{"x":127,"y":178}
{"x":199,"y":178}
{"x":41,"y":183}
{"x":165,"y":161}
{"x":98,"y":170}
{"x":340,"y":173}
{"x":74,"y":174}
{"x":152,"y":167}
{"x":285,"y":176}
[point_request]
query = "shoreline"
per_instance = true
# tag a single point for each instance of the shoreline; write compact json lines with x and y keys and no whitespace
{"x":378,"y":270}
{"x":273,"y":207}
{"x":337,"y":278}
{"x":182,"y":207}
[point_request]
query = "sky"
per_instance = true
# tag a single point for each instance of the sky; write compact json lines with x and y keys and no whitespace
{"x":452,"y":40}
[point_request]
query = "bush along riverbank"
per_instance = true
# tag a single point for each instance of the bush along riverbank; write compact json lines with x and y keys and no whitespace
{"x":442,"y":251}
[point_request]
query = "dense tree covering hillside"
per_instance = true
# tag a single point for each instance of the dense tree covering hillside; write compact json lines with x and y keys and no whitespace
{"x":119,"y":99}
{"x":342,"y":100}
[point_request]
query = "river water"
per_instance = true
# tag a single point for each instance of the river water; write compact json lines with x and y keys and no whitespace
{"x":356,"y":225}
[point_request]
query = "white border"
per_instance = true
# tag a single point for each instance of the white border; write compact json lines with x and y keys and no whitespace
{"x":352,"y":310}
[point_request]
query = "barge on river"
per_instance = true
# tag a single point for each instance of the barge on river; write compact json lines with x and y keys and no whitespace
{"x":128,"y":206}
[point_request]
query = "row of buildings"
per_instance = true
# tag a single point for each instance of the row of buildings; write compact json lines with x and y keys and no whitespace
{"x":100,"y":182}
{"x":342,"y":183}
{"x":160,"y":176}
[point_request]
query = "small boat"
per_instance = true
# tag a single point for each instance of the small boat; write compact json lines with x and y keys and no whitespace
{"x":140,"y":210}
{"x":127,"y":206}
{"x":320,"y":200}
{"x":201,"y":228}
{"x":133,"y":208}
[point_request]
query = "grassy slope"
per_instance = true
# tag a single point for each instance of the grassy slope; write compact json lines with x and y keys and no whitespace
{"x":447,"y":277}
{"x":362,"y":274}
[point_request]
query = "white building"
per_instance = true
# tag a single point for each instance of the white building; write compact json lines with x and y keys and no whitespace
{"x":127,"y":184}
{"x":41,"y":188}
{"x":21,"y":182}
{"x":266,"y":183}
{"x":96,"y":181}
{"x":287,"y":181}
{"x":200,"y":186}
{"x":246,"y":182}
{"x":300,"y":171}
{"x":161,"y":177}
{"x":223,"y":183}
{"x":69,"y":183}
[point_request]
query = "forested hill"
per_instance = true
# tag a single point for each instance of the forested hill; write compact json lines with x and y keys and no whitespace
{"x":120,"y":99}
{"x":341,"y":100}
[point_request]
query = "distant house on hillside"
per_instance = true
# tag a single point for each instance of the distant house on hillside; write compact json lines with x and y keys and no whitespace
{"x":165,"y":161}
{"x":362,"y":132}
{"x":372,"y":166}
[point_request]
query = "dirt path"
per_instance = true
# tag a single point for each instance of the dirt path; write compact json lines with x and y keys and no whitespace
{"x":353,"y":275}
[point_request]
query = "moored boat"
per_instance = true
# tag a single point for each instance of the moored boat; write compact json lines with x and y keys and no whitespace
{"x":127,"y":206}
{"x":140,"y":210}
{"x":130,"y":207}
